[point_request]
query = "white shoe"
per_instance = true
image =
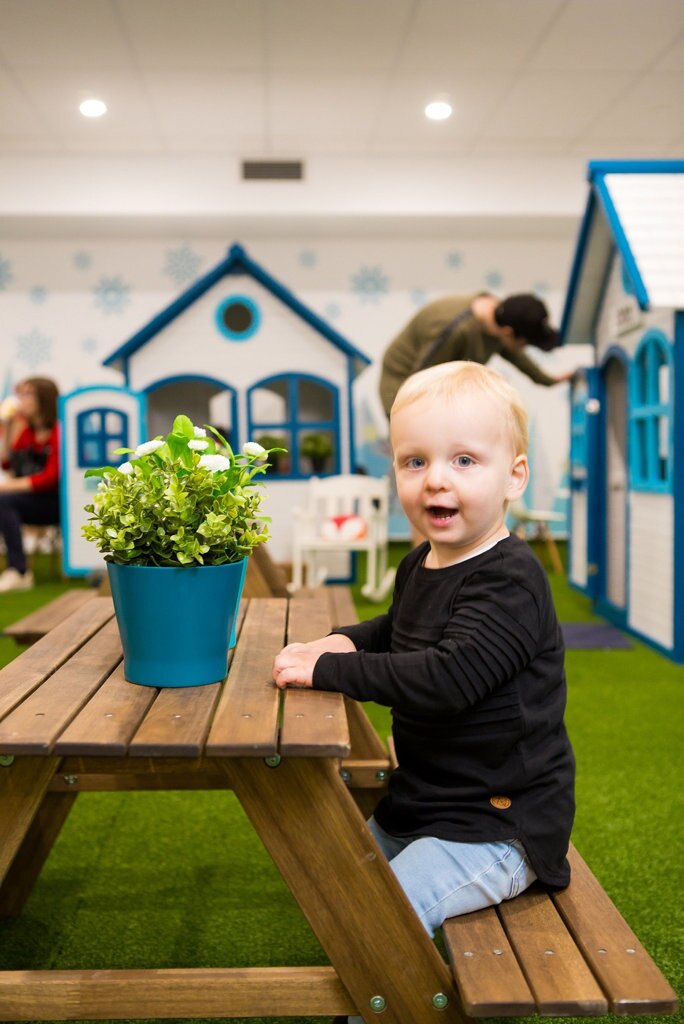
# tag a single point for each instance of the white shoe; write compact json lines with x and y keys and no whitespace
{"x":11,"y":579}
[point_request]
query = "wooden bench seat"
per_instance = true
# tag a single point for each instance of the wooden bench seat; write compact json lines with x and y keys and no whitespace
{"x":34,"y":626}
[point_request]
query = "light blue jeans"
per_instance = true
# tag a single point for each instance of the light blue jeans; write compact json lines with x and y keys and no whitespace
{"x":444,"y":879}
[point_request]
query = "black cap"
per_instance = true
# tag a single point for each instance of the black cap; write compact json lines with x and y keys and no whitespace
{"x":529,"y":318}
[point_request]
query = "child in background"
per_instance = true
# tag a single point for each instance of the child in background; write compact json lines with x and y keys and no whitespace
{"x":469,"y":657}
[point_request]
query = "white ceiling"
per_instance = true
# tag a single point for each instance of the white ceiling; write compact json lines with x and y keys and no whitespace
{"x":340,"y":79}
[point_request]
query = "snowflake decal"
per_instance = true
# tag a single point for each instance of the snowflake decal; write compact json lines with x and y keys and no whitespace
{"x":34,"y":348}
{"x":369,"y":283}
{"x":541,"y":288}
{"x":418,"y":296}
{"x":182,"y":264}
{"x":82,"y":260}
{"x":111,"y":295}
{"x":494,"y":279}
{"x":308,"y":258}
{"x":38,"y":295}
{"x":5,"y":273}
{"x":332,"y":311}
{"x":454,"y":259}
{"x":89,"y":344}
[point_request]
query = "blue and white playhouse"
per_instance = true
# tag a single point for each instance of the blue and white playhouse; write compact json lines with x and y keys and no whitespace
{"x":237,"y":350}
{"x":626,"y":298}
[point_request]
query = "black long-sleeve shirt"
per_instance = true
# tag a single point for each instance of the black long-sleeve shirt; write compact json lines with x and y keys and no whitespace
{"x":470,"y":660}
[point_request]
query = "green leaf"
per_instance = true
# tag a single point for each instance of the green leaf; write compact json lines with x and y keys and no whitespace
{"x":184,"y":426}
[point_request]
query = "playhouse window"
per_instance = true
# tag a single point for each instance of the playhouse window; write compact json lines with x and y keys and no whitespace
{"x":299,"y":413}
{"x":99,"y":432}
{"x":238,"y":317}
{"x":651,"y":415}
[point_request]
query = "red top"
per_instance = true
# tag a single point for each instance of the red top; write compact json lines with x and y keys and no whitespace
{"x":48,"y":478}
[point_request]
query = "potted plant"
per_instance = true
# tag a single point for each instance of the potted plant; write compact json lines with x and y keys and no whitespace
{"x":274,"y":445}
{"x":177,"y":522}
{"x":318,"y":448}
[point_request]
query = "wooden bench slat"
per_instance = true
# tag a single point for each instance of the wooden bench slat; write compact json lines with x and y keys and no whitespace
{"x":554,"y":968}
{"x":34,"y":726}
{"x":484,"y":966}
{"x":32,"y":666}
{"x":34,"y":626}
{"x":246,"y":718}
{"x":107,"y":723}
{"x":342,"y":607}
{"x":632,"y":981}
{"x":309,"y":617}
{"x":177,"y":723}
{"x":314,"y":724}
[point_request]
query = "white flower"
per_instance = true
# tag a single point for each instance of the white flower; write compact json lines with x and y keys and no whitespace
{"x":200,"y":432}
{"x":252,"y":448}
{"x":214,"y":463}
{"x":198,"y":446}
{"x":126,"y":468}
{"x":147,"y":447}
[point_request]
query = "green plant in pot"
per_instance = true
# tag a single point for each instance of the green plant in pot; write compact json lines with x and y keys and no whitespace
{"x":272,"y":444}
{"x":318,"y":448}
{"x":177,"y":522}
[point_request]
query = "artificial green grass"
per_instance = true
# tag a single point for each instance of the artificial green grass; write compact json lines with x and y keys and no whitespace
{"x":180,"y":879}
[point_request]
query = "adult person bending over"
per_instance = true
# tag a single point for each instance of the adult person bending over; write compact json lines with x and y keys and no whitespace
{"x":472,"y":328}
{"x":29,"y":493}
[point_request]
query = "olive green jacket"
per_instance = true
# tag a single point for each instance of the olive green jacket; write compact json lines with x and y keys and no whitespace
{"x":410,"y":350}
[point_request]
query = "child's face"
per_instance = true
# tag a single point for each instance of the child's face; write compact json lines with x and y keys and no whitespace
{"x":456,"y":471}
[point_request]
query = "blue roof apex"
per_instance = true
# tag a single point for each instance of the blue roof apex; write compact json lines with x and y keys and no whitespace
{"x":236,"y":262}
{"x":601,"y":167}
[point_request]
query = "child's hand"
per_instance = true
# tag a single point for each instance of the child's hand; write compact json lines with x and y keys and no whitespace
{"x":295,"y":664}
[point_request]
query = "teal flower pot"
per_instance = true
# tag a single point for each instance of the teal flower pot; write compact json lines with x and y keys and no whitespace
{"x":176,"y":625}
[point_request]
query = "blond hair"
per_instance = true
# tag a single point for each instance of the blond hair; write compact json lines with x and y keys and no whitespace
{"x":447,"y":380}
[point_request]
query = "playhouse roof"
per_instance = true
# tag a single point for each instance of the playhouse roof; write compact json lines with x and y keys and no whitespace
{"x":637,"y":208}
{"x":236,"y":262}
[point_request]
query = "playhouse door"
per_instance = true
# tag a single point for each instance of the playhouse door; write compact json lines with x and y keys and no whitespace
{"x":615,"y":482}
{"x":583,"y":492}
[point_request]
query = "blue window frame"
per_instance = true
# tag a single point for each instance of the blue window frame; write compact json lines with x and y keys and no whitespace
{"x":238,"y":317}
{"x":98,"y":433}
{"x":651,"y":414}
{"x":578,"y":432}
{"x":289,"y":411}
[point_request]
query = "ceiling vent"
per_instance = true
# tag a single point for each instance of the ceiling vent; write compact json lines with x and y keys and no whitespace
{"x":272,"y":170}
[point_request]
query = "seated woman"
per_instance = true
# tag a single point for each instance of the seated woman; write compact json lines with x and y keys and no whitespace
{"x":29,"y":452}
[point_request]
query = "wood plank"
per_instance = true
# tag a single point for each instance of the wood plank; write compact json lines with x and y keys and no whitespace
{"x":327,"y":856}
{"x":34,"y":626}
{"x":342,"y":608}
{"x":34,"y":726}
{"x":555,"y":970}
{"x":633,"y":982}
{"x":23,"y":785}
{"x":314,"y":724}
{"x":178,"y":722}
{"x":365,"y":742}
{"x":172,"y":993}
{"x":273,"y":574}
{"x":107,"y":723}
{"x":483,"y":963}
{"x":33,"y":852}
{"x":246,"y":718}
{"x":31,"y":667}
{"x":309,"y":617}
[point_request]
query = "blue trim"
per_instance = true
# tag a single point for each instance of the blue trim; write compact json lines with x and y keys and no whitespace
{"x":621,"y":241}
{"x":353,"y":461}
{"x":595,"y":500}
{"x":605,"y":609}
{"x":293,"y":426}
{"x":234,"y":300}
{"x":203,"y":378}
{"x":578,"y":260}
{"x":237,"y":262}
{"x":678,"y":485}
{"x":652,"y":352}
{"x":596,"y":167}
{"x":67,"y":567}
{"x":620,"y":614}
{"x":99,"y":440}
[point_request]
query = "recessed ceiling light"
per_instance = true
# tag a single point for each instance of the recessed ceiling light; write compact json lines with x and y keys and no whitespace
{"x":93,"y":108}
{"x":438,"y":110}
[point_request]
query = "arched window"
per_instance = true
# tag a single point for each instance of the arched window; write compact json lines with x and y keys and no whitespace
{"x":99,"y":432}
{"x":300,"y":413}
{"x":651,"y":414}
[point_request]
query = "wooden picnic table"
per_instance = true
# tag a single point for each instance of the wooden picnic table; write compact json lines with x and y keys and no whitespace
{"x":70,"y":722}
{"x":307,"y":768}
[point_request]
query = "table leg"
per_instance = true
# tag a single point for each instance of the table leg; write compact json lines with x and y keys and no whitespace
{"x":318,"y":839}
{"x":23,"y":784}
{"x":33,"y":852}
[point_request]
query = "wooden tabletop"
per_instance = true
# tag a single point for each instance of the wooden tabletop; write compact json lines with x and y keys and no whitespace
{"x":67,"y":694}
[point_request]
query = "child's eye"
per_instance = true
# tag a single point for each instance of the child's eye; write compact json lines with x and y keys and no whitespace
{"x":415,"y":462}
{"x":463,"y":460}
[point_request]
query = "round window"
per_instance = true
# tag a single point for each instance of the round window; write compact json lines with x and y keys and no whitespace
{"x":238,"y":317}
